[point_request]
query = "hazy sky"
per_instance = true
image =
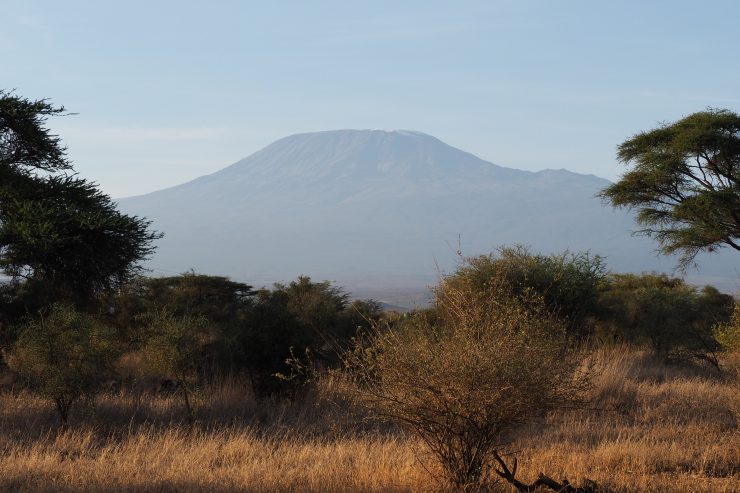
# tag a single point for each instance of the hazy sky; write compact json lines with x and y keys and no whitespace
{"x":167,"y":91}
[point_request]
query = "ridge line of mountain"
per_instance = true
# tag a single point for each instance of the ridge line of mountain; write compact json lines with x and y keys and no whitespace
{"x":402,"y":132}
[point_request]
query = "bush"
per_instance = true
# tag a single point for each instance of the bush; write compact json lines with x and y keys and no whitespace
{"x":174,"y":350}
{"x":488,"y":360}
{"x":65,"y":355}
{"x":221,"y":302}
{"x":675,"y":319}
{"x":301,"y":318}
{"x":244,"y":330}
{"x":568,"y":283}
{"x":728,"y":333}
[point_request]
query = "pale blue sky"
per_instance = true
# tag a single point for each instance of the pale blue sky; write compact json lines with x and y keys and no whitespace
{"x":167,"y":91}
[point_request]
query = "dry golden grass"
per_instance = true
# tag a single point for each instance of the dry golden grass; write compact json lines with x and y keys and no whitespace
{"x":224,"y":460}
{"x":652,"y":429}
{"x":656,"y":429}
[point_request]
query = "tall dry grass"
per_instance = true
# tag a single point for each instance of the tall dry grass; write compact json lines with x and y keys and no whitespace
{"x":649,"y":428}
{"x":652,"y":428}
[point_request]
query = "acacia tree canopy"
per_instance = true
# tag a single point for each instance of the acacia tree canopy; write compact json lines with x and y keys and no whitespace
{"x":684,"y":183}
{"x":25,"y":143}
{"x":55,"y":227}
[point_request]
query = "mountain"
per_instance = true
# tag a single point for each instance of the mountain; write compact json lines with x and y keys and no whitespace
{"x":383,"y":210}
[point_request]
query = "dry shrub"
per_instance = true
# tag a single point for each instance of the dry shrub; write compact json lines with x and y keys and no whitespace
{"x":465,"y":377}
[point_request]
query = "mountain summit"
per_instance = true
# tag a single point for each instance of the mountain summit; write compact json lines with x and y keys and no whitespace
{"x":354,"y":159}
{"x":361,"y":154}
{"x":374,"y":208}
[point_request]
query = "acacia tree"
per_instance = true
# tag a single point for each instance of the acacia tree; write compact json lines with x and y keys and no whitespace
{"x":25,"y":143}
{"x":685,"y":183}
{"x":56,"y":228}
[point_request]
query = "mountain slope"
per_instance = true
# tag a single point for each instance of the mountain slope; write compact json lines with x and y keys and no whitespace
{"x":373,"y":209}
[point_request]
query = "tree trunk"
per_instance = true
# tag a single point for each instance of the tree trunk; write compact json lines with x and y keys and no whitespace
{"x":63,"y":409}
{"x":186,"y":398}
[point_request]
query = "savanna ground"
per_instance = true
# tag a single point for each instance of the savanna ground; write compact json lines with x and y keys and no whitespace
{"x":648,"y":427}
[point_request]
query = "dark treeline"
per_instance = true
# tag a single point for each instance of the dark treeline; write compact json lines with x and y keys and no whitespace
{"x":208,"y":327}
{"x":237,"y":329}
{"x":674,"y":319}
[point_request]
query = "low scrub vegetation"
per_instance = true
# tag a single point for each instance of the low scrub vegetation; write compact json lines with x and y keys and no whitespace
{"x":569,"y":284}
{"x":505,"y":383}
{"x":674,"y":319}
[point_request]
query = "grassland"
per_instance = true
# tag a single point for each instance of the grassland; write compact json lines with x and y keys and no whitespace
{"x":648,"y":428}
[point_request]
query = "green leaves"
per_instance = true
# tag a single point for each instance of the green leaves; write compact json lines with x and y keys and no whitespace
{"x":173,"y":344}
{"x":70,"y":234}
{"x":567,"y":283}
{"x":684,"y":183}
{"x":728,"y":333}
{"x":672,"y":317}
{"x":173,"y":349}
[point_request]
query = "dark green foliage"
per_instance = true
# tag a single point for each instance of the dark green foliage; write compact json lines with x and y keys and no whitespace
{"x":65,"y":355}
{"x":216,"y":298}
{"x":358,"y":315}
{"x":244,"y":330}
{"x":268,"y":338}
{"x":17,"y":300}
{"x":317,"y":306}
{"x":56,"y":228}
{"x":568,"y":283}
{"x":25,"y":143}
{"x":221,"y":302}
{"x":301,"y":318}
{"x":685,"y":183}
{"x":67,"y":233}
{"x":672,"y":317}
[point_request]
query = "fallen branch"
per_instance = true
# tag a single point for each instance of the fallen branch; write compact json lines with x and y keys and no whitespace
{"x":542,"y":480}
